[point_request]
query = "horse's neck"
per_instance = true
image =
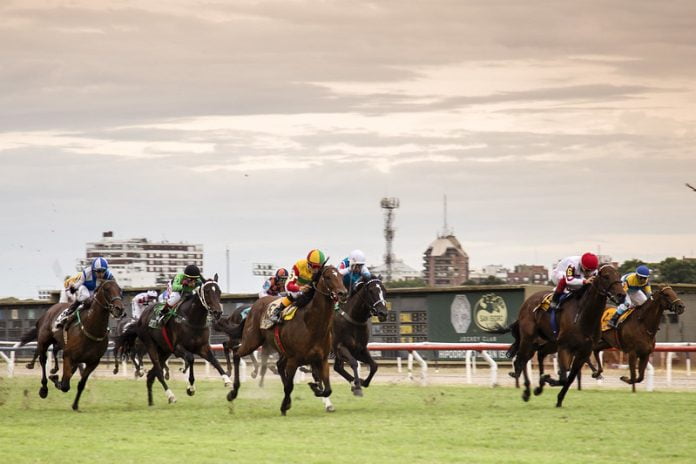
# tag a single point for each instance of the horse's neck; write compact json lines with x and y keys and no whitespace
{"x":357,"y":307}
{"x":649,"y":315}
{"x":319,"y":312}
{"x":590,"y":309}
{"x":194,"y":310}
{"x":96,"y":316}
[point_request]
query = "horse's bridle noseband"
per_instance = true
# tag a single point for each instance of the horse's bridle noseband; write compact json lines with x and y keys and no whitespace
{"x":331,"y":294}
{"x":673,"y":303}
{"x":373,"y":306}
{"x":109,"y":305}
{"x":605,"y":292}
{"x":200,"y":293}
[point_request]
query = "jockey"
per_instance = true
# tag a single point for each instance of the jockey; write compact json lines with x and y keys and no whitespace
{"x":571,"y":274}
{"x":353,"y":268}
{"x":299,"y":286}
{"x":637,"y":292}
{"x":84,"y":287}
{"x":141,"y":301}
{"x":275,"y":286}
{"x":183,"y":284}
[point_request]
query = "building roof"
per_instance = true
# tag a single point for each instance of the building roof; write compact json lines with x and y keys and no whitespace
{"x":398,"y":267}
{"x":440,"y":246}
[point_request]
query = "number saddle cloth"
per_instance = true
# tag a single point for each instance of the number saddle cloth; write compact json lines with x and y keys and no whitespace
{"x":287,"y":314}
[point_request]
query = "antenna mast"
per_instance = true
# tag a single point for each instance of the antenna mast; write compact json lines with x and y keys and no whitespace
{"x":389,"y":205}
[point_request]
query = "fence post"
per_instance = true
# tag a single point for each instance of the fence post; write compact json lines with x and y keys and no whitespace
{"x":669,"y":368}
{"x":494,"y":368}
{"x":650,"y":378}
{"x":424,"y":367}
{"x":467,"y":361}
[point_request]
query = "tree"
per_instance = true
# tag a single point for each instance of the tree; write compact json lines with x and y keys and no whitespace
{"x":675,"y":270}
{"x":630,"y":265}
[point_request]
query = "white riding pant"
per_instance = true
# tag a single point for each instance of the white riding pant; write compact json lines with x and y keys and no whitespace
{"x":174,"y":298}
{"x":82,"y":293}
{"x":634,"y":298}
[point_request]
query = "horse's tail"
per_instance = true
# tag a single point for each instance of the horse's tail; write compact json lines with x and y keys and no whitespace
{"x":515,"y":331}
{"x":233,"y":330}
{"x":30,"y":336}
{"x":125,"y":343}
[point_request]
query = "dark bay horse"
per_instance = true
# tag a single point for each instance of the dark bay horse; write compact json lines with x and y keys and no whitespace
{"x":636,"y":335}
{"x":232,"y":327}
{"x":579,"y":319}
{"x":351,"y":332}
{"x":82,"y":342}
{"x":305,"y":339}
{"x":184,"y":335}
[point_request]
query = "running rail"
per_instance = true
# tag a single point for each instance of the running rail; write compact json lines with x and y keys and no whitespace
{"x":470,"y":349}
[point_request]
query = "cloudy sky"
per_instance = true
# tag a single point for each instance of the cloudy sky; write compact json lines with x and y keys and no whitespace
{"x":273,"y":127}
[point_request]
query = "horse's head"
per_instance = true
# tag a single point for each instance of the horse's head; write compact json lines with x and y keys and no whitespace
{"x":330,"y":283}
{"x":109,"y":296}
{"x":609,"y":283}
{"x":668,"y":299}
{"x":374,"y":297}
{"x":209,"y":295}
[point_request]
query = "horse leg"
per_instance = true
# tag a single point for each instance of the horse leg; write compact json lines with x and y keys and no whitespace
{"x":83,"y":381}
{"x":543,"y":378}
{"x":157,"y":359}
{"x":56,"y":366}
{"x":632,"y":370}
{"x":366,"y":358}
{"x":226,"y":349}
{"x":69,"y":368}
{"x":255,"y":372}
{"x":288,"y":384}
{"x":35,"y":356}
{"x":264,"y":366}
{"x":642,"y":364}
{"x":578,"y":362}
{"x":43,"y":357}
{"x":344,"y":354}
{"x":597,"y":373}
{"x":207,"y":354}
{"x":524,"y":354}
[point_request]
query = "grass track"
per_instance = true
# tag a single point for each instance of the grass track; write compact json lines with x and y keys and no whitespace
{"x":405,"y":422}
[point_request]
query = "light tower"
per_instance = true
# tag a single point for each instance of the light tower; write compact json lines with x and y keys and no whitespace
{"x":389,"y":205}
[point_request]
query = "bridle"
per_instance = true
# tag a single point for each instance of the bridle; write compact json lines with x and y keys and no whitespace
{"x":372,"y":307}
{"x":109,"y":305}
{"x":200,"y":293}
{"x":331,"y":294}
{"x":605,"y":292}
{"x":673,"y":304}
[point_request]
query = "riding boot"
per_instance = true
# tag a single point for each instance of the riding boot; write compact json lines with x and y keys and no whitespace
{"x":62,"y":322}
{"x":163,"y":313}
{"x":554,"y":301}
{"x":614,"y":321}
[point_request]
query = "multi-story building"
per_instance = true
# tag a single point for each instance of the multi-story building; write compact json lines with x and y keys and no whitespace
{"x":137,"y":262}
{"x":491,"y":270}
{"x":528,"y":274}
{"x":445,"y":262}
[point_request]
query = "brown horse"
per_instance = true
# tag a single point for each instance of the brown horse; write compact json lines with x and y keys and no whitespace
{"x":351,"y":332}
{"x":184,"y":335}
{"x":305,"y":339}
{"x":579,"y":322}
{"x":232,"y":327}
{"x":636,"y":335}
{"x":82,"y":342}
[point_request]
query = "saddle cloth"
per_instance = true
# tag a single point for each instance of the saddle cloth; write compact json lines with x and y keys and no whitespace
{"x":287,"y":314}
{"x":609,"y":312}
{"x":154,"y":315}
{"x":545,"y":302}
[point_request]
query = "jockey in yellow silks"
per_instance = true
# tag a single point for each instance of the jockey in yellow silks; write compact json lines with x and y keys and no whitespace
{"x":637,"y":292}
{"x":299,"y":285}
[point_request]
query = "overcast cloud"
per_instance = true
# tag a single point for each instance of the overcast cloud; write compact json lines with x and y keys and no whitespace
{"x":270,"y":128}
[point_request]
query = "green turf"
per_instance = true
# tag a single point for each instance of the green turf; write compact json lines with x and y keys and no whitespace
{"x":408,"y":423}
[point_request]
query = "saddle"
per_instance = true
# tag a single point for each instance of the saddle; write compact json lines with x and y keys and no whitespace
{"x":609,"y":312}
{"x":287,"y":314}
{"x":157,"y":309}
{"x":545,"y":302}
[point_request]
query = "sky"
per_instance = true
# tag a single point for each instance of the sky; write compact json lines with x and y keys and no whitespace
{"x":273,"y":127}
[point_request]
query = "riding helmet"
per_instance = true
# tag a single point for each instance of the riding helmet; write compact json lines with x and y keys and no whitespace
{"x":192,"y":271}
{"x":589,"y":261}
{"x":643,"y":271}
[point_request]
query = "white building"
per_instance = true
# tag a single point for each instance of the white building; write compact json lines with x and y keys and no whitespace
{"x":490,"y":270}
{"x":137,"y":262}
{"x":400,"y":271}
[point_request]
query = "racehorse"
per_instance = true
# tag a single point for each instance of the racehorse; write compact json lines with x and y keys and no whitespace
{"x":232,"y":326}
{"x":305,"y":339}
{"x":82,"y":342}
{"x":351,"y":332}
{"x":184,"y":335}
{"x":579,"y":318}
{"x":636,"y":335}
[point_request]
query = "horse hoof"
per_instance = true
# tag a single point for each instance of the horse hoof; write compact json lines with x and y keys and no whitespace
{"x":172,"y":400}
{"x":190,"y":392}
{"x":166,"y":376}
{"x":232,"y":394}
{"x":538,"y":391}
{"x":74,"y":408}
{"x":625,"y":379}
{"x":597,"y":376}
{"x":30,"y":366}
{"x":357,"y":391}
{"x":330,"y":408}
{"x":43,"y":392}
{"x":525,"y":396}
{"x":512,"y":374}
{"x":252,"y":375}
